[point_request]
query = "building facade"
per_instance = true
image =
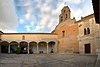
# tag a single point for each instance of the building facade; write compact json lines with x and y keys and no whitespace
{"x":69,"y":36}
{"x":67,"y":31}
{"x":89,"y":35}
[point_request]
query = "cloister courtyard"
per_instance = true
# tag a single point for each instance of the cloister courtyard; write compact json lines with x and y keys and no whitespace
{"x":47,"y":60}
{"x":41,"y":35}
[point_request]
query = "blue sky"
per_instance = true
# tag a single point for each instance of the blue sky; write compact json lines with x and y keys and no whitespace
{"x":39,"y":15}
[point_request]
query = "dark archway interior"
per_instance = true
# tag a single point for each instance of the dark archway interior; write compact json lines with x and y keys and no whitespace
{"x":42,"y":47}
{"x":51,"y":46}
{"x":24,"y":47}
{"x":13,"y":46}
{"x":4,"y":47}
{"x":32,"y":47}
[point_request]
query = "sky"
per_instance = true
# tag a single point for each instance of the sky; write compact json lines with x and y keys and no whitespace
{"x":38,"y":16}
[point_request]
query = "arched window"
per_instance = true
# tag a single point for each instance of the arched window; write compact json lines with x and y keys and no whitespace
{"x":88,"y":31}
{"x":63,"y":33}
{"x":61,"y":19}
{"x":84,"y":31}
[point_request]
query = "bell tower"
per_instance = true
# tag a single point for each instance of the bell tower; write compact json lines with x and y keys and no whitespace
{"x":65,"y":14}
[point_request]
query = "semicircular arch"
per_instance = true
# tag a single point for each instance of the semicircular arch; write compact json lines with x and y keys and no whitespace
{"x":52,"y":42}
{"x":13,"y":43}
{"x":42,"y":43}
{"x":32,"y":43}
{"x":4,"y":43}
{"x":23,"y":43}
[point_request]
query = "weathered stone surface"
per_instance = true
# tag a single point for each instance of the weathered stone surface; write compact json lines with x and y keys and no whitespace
{"x":47,"y":60}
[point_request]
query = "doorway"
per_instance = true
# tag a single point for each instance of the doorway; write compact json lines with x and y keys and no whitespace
{"x":87,"y":48}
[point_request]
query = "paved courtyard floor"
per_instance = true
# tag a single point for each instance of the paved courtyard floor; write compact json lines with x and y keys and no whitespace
{"x":98,"y":61}
{"x":47,"y":60}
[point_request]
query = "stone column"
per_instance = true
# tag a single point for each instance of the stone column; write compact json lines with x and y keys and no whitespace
{"x":37,"y":48}
{"x":55,"y":50}
{"x":28,"y":48}
{"x":18,"y":45}
{"x":47,"y":48}
{"x":9,"y":49}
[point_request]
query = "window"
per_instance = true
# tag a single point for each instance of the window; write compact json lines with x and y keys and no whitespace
{"x":84,"y":31}
{"x":63,"y":33}
{"x":88,"y":31}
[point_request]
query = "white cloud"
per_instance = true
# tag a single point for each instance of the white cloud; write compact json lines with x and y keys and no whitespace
{"x":88,"y":8}
{"x":27,"y":16}
{"x":28,"y":28}
{"x":45,"y":8}
{"x":74,"y":1}
{"x":8,"y":17}
{"x":44,"y":20}
{"x":32,"y":23}
{"x":59,"y":7}
{"x":50,"y":24}
{"x":21,"y":21}
{"x":77,"y":13}
{"x":8,"y":31}
{"x":49,"y":15}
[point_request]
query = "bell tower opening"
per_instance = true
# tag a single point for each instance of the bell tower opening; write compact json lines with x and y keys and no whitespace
{"x":65,"y":14}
